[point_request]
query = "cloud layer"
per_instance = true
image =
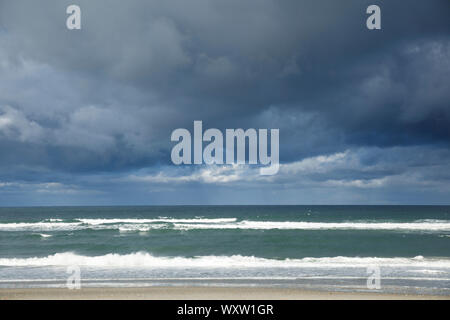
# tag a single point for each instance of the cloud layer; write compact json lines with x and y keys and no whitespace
{"x":86,"y":116}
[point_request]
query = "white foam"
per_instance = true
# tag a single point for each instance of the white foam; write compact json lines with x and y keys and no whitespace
{"x":39,"y":226}
{"x":98,"y":224}
{"x":43,"y":235}
{"x":428,"y":271}
{"x":143,"y":259}
{"x":140,"y":228}
{"x":222,"y":223}
{"x":292,"y":225}
{"x":169,"y":220}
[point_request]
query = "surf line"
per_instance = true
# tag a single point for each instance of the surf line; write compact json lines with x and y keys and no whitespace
{"x":235,"y":140}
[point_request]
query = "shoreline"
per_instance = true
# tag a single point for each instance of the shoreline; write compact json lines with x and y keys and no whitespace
{"x":200,"y":293}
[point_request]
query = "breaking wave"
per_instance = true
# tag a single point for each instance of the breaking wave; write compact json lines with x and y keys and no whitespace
{"x":218,"y":223}
{"x":143,"y":259}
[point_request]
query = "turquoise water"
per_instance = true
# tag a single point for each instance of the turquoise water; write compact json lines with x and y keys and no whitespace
{"x":316,"y":247}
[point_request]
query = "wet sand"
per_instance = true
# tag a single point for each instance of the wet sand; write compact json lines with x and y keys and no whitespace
{"x":198,"y":293}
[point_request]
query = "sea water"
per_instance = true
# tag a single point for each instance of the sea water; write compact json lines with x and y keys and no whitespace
{"x":310,"y":247}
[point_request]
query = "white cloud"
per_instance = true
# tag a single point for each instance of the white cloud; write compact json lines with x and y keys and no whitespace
{"x":16,"y":126}
{"x":209,"y":175}
{"x":346,"y":169}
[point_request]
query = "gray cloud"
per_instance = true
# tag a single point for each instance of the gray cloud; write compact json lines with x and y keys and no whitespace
{"x":82,"y":107}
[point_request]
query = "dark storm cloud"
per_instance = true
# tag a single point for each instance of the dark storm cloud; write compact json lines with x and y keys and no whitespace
{"x":106,"y":98}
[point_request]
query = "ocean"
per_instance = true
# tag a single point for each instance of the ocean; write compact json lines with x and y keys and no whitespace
{"x":334,"y":248}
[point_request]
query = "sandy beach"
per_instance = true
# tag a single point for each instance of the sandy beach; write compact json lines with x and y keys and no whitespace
{"x":198,"y":293}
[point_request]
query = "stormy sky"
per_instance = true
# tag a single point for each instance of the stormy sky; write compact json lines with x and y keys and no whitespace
{"x":86,"y":115}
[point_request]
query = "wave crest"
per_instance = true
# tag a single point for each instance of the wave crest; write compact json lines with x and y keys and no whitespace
{"x":219,"y":223}
{"x":144,"y":259}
